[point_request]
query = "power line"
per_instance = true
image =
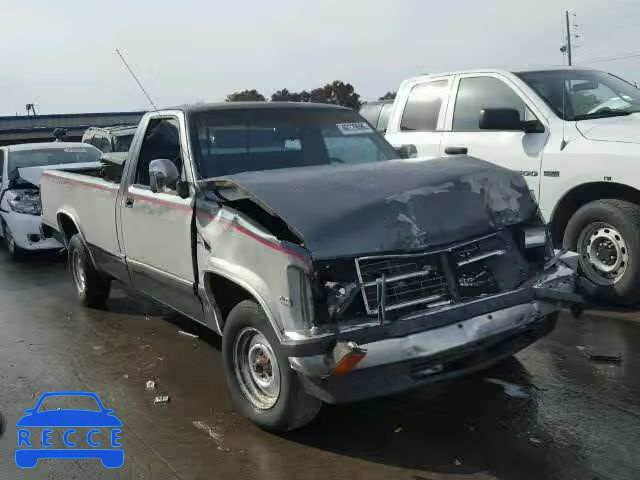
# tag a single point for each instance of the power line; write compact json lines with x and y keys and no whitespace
{"x":608,"y":59}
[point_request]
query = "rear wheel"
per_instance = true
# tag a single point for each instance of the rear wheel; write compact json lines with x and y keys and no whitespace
{"x":605,"y":234}
{"x":262,"y":384}
{"x":92,"y":286}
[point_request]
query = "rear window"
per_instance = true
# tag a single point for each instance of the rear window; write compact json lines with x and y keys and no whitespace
{"x":52,"y":156}
{"x":121,"y":143}
{"x":385,"y":115}
{"x":371,"y":112}
{"x":233,"y":141}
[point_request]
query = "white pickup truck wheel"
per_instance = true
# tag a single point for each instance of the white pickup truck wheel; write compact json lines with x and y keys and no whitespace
{"x":92,"y":287}
{"x":262,"y":384}
{"x":605,"y":234}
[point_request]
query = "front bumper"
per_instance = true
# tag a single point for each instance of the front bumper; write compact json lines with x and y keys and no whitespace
{"x":431,"y":346}
{"x":27,"y":233}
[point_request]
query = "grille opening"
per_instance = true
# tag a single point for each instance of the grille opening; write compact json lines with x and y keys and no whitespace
{"x":410,"y":281}
{"x":486,"y":266}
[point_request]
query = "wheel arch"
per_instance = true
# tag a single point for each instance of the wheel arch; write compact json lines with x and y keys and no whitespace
{"x":226,"y":291}
{"x":68,"y":227}
{"x":583,"y":194}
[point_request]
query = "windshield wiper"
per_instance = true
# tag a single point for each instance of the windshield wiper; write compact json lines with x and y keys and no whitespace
{"x":609,"y":113}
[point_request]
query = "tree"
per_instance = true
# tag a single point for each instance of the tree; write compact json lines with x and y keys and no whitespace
{"x":246,"y":96}
{"x":388,"y":96}
{"x":285,"y":95}
{"x":338,"y":93}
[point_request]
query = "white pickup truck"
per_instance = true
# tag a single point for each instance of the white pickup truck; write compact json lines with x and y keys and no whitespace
{"x":333,"y":270}
{"x":573,"y":133}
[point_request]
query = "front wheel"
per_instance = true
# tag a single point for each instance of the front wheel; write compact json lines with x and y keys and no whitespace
{"x":605,"y":234}
{"x":262,"y":384}
{"x":12,"y":248}
{"x":92,"y":286}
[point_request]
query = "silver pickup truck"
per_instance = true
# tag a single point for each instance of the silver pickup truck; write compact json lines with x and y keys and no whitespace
{"x":334,"y":270}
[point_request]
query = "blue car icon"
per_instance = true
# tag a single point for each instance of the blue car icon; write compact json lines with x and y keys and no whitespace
{"x":29,"y":452}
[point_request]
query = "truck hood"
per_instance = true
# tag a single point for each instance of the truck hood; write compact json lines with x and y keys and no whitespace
{"x":614,"y":129}
{"x":397,"y":205}
{"x":33,"y":175}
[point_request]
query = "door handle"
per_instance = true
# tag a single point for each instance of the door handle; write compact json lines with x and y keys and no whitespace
{"x":128,"y":202}
{"x":456,"y":150}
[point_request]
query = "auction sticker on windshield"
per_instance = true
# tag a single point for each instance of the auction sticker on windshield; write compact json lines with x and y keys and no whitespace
{"x":55,"y":430}
{"x":354,"y":128}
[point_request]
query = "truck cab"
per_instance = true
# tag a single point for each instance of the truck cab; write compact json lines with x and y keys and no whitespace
{"x":572,"y":134}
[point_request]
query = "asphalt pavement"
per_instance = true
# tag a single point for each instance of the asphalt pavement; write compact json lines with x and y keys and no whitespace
{"x":549,"y":413}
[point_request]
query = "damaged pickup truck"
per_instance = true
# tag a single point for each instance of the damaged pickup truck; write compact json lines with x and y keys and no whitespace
{"x":334,"y":270}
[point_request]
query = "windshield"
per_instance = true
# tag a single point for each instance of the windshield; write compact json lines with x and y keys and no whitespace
{"x":233,"y":141}
{"x":39,"y":157}
{"x":584,"y":94}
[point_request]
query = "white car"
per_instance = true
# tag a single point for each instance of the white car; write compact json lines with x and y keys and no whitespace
{"x":21,"y":168}
{"x":574,"y":134}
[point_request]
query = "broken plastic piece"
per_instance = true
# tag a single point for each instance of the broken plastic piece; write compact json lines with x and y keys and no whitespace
{"x":605,"y":358}
{"x":346,"y":355}
{"x":161,"y":399}
{"x":187,"y":334}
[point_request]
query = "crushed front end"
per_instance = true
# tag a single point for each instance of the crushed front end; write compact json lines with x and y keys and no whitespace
{"x":386,"y":323}
{"x":413,"y":271}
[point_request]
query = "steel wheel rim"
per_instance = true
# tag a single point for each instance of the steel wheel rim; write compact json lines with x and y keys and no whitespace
{"x":604,"y":255}
{"x":256,"y":368}
{"x":79,"y":275}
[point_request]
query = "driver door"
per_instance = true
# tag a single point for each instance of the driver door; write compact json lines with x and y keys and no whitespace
{"x":156,"y":226}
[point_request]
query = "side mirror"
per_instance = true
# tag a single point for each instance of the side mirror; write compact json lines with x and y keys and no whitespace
{"x":500,"y":119}
{"x":162,"y":173}
{"x":406,"y":151}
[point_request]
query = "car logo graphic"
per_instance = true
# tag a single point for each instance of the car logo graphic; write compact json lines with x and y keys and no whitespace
{"x":29,"y":440}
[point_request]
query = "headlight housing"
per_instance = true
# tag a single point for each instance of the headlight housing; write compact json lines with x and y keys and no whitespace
{"x":27,"y":203}
{"x":339,"y":296}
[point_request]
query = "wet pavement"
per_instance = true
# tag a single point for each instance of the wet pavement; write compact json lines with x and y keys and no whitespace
{"x":549,"y":413}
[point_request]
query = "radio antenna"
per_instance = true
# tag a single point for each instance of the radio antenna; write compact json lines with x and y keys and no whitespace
{"x":136,"y":79}
{"x":564,"y":111}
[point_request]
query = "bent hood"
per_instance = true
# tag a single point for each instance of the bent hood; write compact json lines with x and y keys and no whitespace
{"x":615,"y":129}
{"x":398,"y":205}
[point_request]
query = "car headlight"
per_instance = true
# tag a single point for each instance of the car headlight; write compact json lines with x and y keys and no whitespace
{"x":27,"y":204}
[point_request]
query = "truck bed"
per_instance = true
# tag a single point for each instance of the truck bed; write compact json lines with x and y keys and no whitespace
{"x":86,"y":198}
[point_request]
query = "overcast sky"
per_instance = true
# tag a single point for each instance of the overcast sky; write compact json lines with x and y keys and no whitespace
{"x":60,"y":54}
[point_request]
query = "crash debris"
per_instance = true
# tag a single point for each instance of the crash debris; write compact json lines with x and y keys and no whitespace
{"x":161,"y":400}
{"x":602,"y":358}
{"x":187,"y":334}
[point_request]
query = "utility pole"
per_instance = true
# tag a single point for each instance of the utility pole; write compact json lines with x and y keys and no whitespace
{"x":568,"y":37}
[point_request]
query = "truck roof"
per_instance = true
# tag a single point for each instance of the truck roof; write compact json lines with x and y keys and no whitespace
{"x":37,"y":146}
{"x":114,"y":128}
{"x":204,"y":107}
{"x":502,"y":69}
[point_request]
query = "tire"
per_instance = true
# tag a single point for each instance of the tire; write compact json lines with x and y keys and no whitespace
{"x":92,"y":286}
{"x":288,"y":408}
{"x":607,"y":231}
{"x":15,"y":252}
